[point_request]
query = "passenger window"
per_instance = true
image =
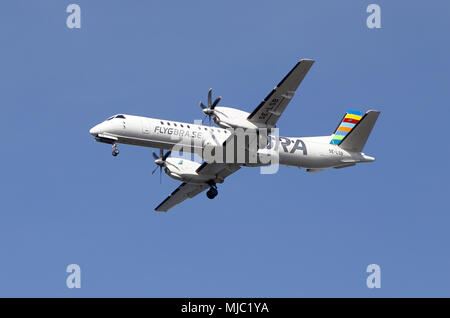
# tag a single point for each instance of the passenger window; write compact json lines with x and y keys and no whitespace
{"x":181,"y":125}
{"x":175,"y":124}
{"x":168,"y":123}
{"x":162,"y":123}
{"x":188,"y":127}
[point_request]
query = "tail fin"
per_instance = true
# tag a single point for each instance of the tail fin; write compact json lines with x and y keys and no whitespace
{"x":351,"y":118}
{"x":354,"y":129}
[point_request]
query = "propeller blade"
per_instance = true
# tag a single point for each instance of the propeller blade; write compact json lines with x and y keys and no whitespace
{"x":209,"y":97}
{"x":202,"y":106}
{"x":216,"y":102}
{"x":154,"y":155}
{"x":160,"y":153}
{"x":160,"y":174}
{"x":166,"y":155}
{"x":154,"y":170}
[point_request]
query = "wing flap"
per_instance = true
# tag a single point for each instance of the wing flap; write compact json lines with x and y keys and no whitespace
{"x":220,"y":170}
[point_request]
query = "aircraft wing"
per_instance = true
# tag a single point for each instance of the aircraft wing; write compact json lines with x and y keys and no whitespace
{"x":189,"y":190}
{"x":183,"y":192}
{"x":217,"y":172}
{"x":270,"y":109}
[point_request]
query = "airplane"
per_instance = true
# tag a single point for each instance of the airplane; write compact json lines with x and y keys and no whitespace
{"x":341,"y":149}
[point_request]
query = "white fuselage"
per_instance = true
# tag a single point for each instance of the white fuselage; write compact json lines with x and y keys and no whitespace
{"x":305,"y":152}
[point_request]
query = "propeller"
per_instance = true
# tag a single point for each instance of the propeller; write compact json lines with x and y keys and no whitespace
{"x":209,"y":110}
{"x":160,"y":161}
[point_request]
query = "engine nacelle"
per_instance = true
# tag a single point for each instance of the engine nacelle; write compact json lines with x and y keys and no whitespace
{"x":185,"y":170}
{"x":227,"y":117}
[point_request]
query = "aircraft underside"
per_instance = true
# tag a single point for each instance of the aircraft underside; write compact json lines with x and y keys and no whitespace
{"x":238,"y":139}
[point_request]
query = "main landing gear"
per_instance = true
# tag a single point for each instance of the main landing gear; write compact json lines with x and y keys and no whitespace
{"x":212,"y":192}
{"x":115,"y":150}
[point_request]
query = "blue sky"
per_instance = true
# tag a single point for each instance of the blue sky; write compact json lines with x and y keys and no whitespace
{"x":66,"y":200}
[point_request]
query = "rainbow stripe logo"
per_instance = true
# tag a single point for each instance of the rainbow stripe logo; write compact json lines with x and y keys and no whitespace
{"x":351,"y":118}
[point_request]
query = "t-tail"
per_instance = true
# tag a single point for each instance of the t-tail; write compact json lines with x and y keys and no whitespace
{"x":354,"y":129}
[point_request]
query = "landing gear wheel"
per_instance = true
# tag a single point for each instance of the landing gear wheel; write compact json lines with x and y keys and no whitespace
{"x":212,"y":193}
{"x":115,"y":150}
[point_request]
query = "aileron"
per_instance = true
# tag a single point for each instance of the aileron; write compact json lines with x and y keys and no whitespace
{"x":183,"y":192}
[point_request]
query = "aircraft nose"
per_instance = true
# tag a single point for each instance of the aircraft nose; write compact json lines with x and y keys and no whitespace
{"x":94,"y":131}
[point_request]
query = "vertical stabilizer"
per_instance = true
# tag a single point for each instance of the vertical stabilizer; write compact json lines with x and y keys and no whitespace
{"x":350,"y":120}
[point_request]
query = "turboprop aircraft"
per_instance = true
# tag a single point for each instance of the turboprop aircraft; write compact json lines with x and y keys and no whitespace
{"x":343,"y":148}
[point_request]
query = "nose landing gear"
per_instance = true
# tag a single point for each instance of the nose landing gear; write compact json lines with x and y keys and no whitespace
{"x":115,"y":150}
{"x":212,"y":192}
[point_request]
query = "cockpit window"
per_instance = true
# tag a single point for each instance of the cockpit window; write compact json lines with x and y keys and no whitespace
{"x":116,"y":116}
